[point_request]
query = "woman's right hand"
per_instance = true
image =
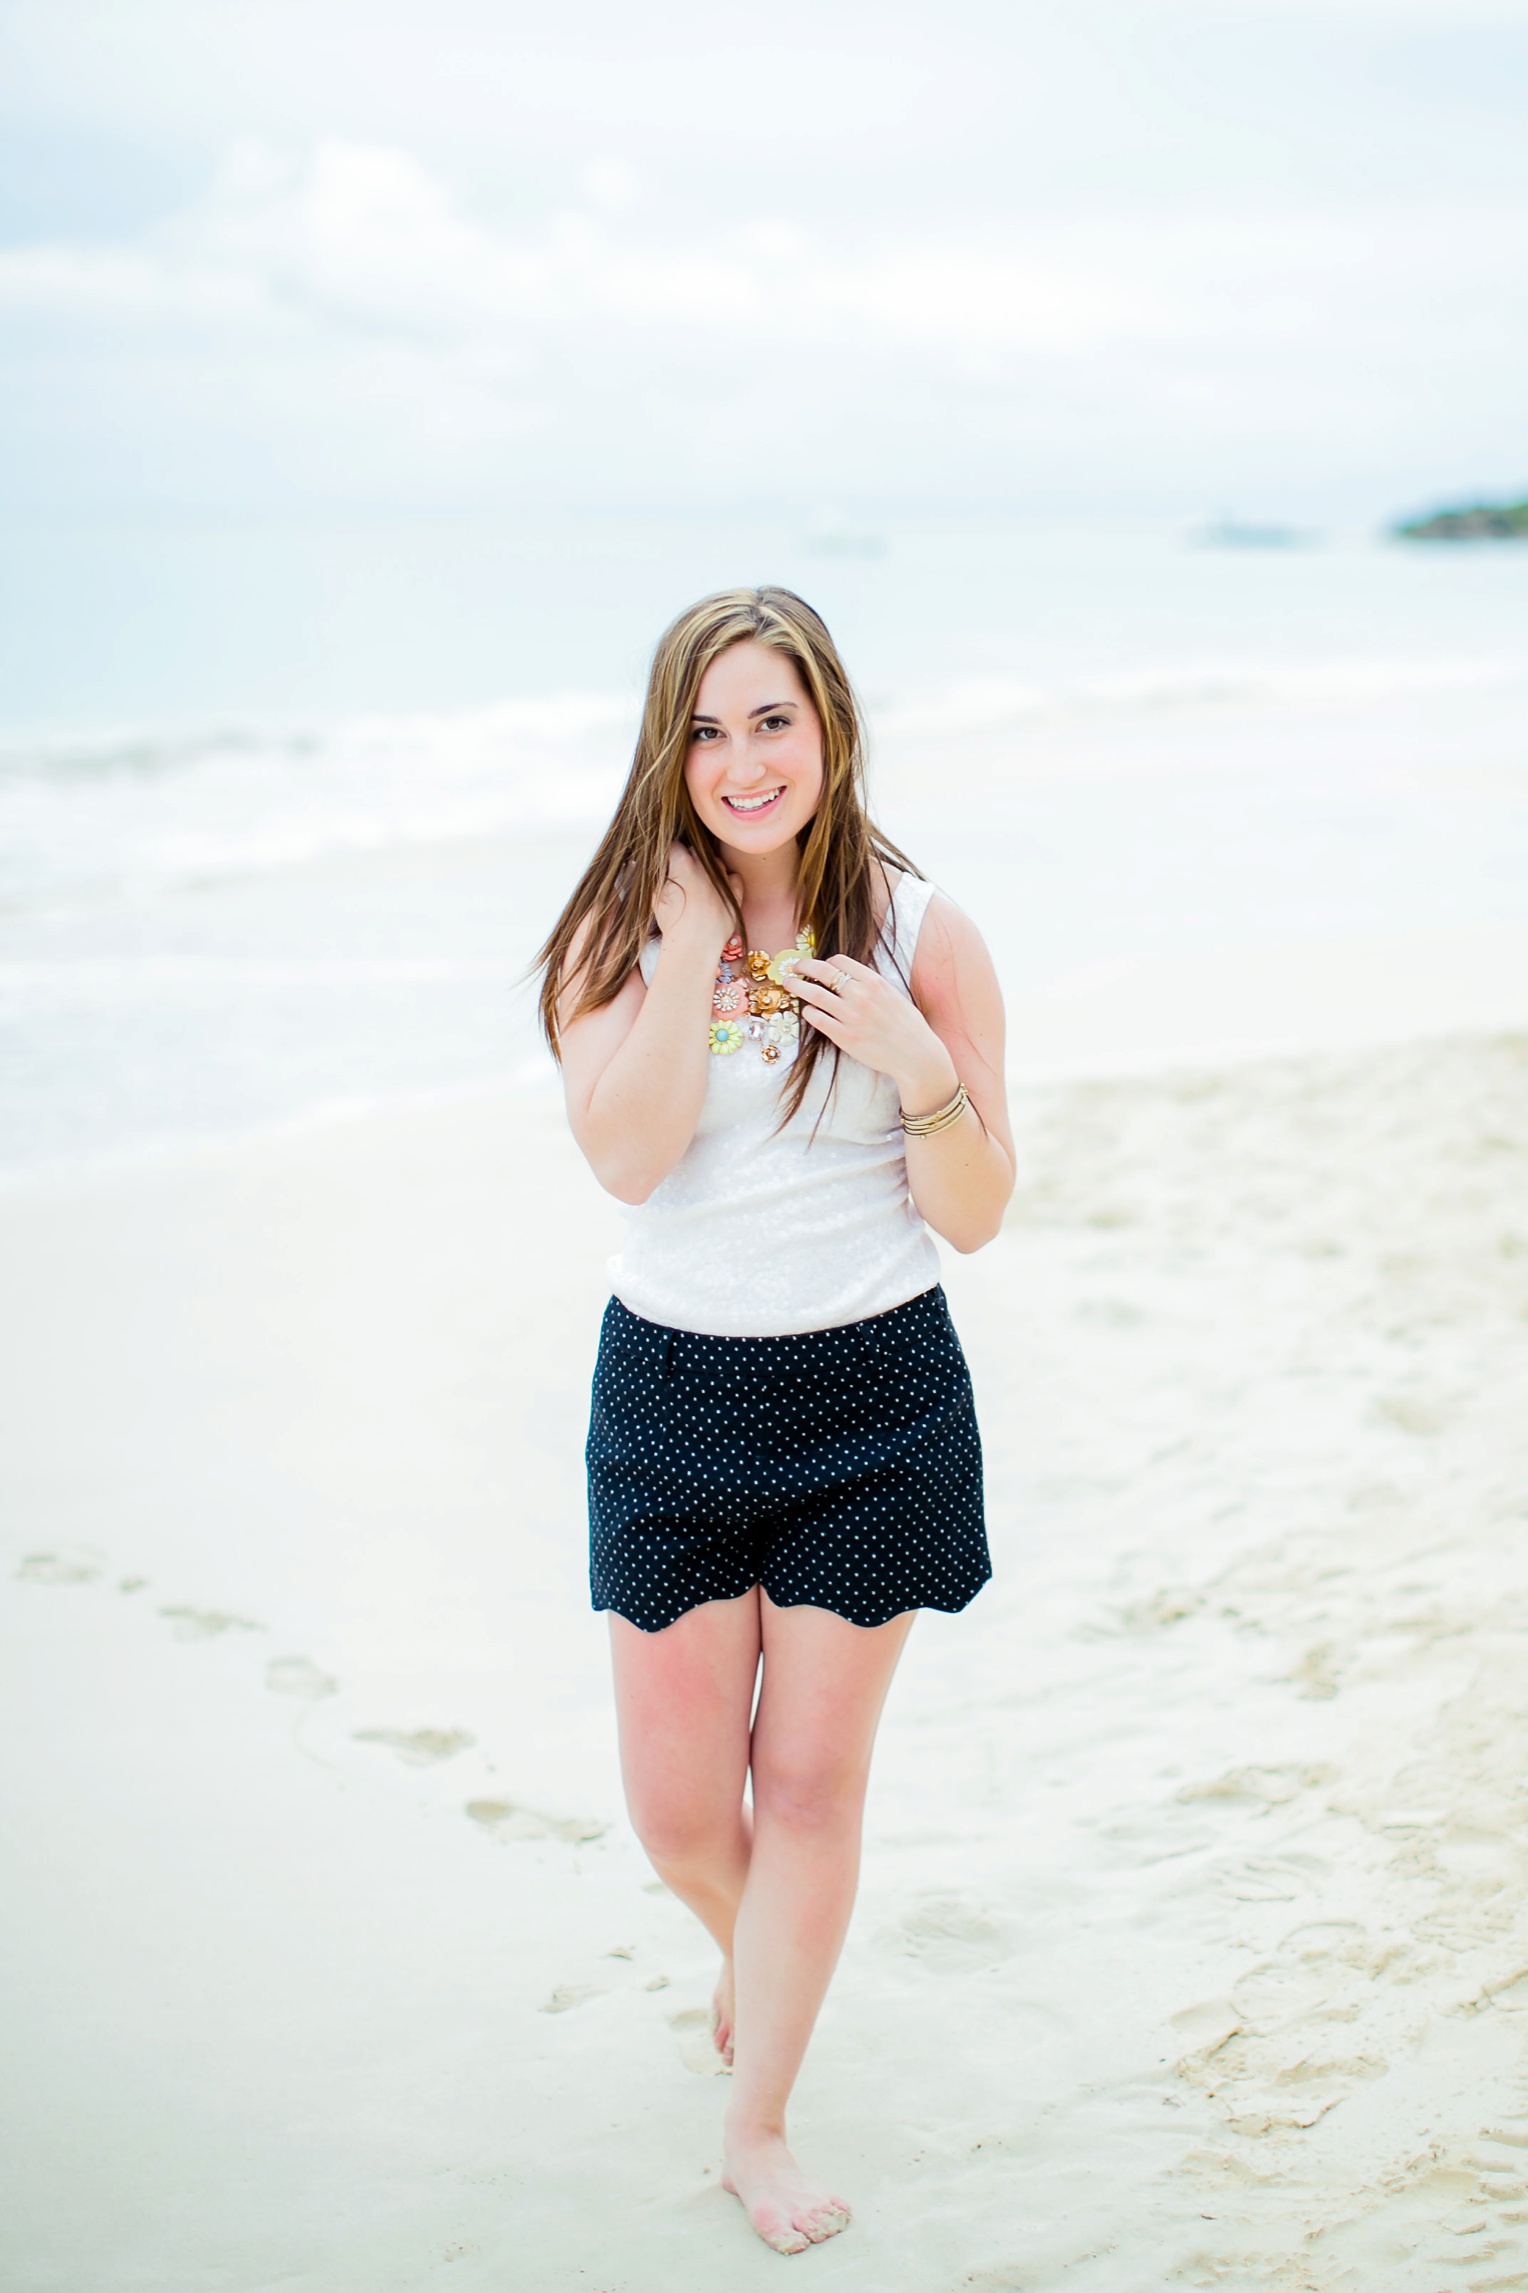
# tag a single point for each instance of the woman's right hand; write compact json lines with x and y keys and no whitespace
{"x":688,"y":904}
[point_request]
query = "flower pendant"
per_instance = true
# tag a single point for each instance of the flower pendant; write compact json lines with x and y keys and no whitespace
{"x":763,"y":993}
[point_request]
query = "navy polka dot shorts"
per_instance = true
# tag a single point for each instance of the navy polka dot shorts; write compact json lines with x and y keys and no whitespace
{"x":840,"y":1468}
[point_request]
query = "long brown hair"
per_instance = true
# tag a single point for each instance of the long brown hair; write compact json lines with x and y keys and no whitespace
{"x":840,"y":850}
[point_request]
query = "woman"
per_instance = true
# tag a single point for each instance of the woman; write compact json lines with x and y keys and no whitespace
{"x":784,"y":1051}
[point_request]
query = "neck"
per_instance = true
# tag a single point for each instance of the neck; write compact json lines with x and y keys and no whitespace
{"x":769,"y":878}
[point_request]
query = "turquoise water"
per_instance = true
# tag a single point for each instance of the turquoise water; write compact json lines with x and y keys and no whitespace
{"x":171,"y":623}
{"x":284,"y":808}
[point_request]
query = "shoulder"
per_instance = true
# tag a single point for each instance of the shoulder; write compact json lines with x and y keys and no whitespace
{"x":575,"y":971}
{"x":884,"y":881}
{"x":951,"y":954}
{"x":901,"y":900}
{"x":912,"y":905}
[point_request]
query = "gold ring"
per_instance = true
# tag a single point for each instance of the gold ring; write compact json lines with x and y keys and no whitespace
{"x":840,"y":982}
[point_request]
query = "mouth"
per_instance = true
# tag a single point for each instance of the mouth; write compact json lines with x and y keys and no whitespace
{"x":751,"y":807}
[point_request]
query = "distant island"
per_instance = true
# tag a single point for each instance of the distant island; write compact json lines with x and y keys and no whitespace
{"x":1227,"y":532}
{"x":1478,"y":521}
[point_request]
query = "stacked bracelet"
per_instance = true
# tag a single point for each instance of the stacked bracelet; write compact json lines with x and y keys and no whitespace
{"x":924,"y":1126}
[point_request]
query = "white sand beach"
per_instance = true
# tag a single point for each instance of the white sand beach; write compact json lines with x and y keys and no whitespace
{"x":1193,"y":1941}
{"x":1137,"y":394}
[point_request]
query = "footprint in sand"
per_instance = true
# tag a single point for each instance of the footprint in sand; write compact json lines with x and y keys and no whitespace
{"x":1159,"y":1609}
{"x":1205,"y":2029}
{"x":1413,"y":1413}
{"x":1272,"y":2055}
{"x":296,"y":1676}
{"x":692,"y":2027}
{"x":67,"y":1567}
{"x":946,"y":1929}
{"x":505,"y":1819}
{"x":1317,"y":1677}
{"x":1453,"y":2209}
{"x":206,"y":1623}
{"x":1271,"y":1878}
{"x":1258,"y":1787}
{"x":567,"y":1995}
{"x":1481,"y":2198}
{"x":1510,"y":1996}
{"x":419,"y":1747}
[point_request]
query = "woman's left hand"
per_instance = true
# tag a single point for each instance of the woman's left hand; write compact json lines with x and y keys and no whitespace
{"x":860,"y":1011}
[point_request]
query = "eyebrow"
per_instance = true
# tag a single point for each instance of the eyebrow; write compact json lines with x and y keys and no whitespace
{"x":767,"y":710}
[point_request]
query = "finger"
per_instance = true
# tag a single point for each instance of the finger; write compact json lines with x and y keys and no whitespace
{"x":835,"y":971}
{"x":826,"y":1024}
{"x":835,"y":994}
{"x":829,"y":976}
{"x":813,"y":992}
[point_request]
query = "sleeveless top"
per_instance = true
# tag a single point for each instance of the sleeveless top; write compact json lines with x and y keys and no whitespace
{"x":762,"y":1232}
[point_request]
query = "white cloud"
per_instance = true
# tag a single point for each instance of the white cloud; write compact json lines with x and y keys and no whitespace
{"x":359,"y":234}
{"x":366,"y":234}
{"x":610,"y":184}
{"x":351,"y":277}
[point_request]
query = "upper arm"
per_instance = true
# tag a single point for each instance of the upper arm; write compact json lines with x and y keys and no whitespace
{"x":589,"y":1043}
{"x":955,"y":986}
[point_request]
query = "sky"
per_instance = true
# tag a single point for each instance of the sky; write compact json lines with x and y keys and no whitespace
{"x":1092,"y":257}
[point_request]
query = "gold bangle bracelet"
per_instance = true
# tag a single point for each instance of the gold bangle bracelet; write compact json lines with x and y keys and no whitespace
{"x":924,"y":1126}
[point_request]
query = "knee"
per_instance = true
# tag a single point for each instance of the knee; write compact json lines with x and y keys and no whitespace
{"x":809,"y":1791}
{"x":675,"y":1834}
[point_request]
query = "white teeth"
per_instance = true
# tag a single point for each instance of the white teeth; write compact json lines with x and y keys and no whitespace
{"x":751,"y":803}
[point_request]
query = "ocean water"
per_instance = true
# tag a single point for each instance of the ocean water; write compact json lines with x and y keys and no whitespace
{"x":285,"y":809}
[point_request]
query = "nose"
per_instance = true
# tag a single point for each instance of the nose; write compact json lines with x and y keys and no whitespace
{"x":747,"y":771}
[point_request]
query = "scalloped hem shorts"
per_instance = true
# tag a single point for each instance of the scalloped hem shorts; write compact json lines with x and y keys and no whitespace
{"x":837,"y":1468}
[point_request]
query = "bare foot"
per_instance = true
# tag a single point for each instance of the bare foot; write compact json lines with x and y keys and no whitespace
{"x":723,"y":2014}
{"x":788,"y":2209}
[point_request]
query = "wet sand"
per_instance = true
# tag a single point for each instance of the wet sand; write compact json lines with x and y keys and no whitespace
{"x":1193,"y":1943}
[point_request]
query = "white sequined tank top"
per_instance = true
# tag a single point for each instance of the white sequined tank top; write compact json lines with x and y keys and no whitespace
{"x":759,"y":1231}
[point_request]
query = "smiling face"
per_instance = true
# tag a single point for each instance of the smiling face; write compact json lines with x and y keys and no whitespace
{"x":754,"y":769}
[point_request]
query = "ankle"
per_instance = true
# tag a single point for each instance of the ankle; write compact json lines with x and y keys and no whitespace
{"x":752,"y":2132}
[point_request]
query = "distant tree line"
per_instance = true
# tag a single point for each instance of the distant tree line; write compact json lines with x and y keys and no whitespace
{"x":1476,"y":521}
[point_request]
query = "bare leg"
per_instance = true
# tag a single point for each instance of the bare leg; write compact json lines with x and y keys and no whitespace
{"x":825,"y":1682}
{"x":684,"y":1698}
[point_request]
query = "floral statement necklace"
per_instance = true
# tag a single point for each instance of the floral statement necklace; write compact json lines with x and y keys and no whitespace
{"x":751,"y":1002}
